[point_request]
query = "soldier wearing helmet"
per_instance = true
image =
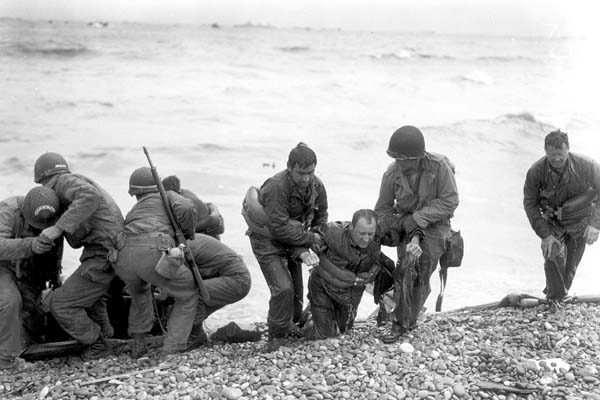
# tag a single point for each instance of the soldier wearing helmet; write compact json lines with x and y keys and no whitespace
{"x":418,"y":194}
{"x":92,"y":220}
{"x":143,"y":261}
{"x":28,"y":262}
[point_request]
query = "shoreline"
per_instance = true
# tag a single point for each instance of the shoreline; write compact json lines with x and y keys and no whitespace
{"x":497,"y":353}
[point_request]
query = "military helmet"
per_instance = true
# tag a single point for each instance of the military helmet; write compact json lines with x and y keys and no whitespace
{"x":141,"y":181}
{"x":49,"y":164}
{"x":41,"y":207}
{"x":407,"y":141}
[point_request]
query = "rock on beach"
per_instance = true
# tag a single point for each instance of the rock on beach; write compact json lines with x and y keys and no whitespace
{"x":498,"y":354}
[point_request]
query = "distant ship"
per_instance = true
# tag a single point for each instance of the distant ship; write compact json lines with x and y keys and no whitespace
{"x":98,"y":24}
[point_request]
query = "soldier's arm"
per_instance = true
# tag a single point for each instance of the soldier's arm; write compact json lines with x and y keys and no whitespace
{"x":83,"y":197}
{"x":11,"y":248}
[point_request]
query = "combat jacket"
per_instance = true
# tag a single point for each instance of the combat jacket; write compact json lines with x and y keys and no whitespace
{"x":148,"y":215}
{"x":16,"y":237}
{"x":344,"y":254}
{"x":206,"y":222}
{"x":545,"y":188}
{"x":285,"y":202}
{"x":435,"y":197}
{"x":91,"y":216}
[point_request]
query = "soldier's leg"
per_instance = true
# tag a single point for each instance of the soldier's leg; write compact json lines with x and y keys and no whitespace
{"x":298,"y":284}
{"x":324,"y":323}
{"x":273,"y":266}
{"x":69,"y":303}
{"x":433,"y":246}
{"x":10,"y":320}
{"x":555,"y":269}
{"x":575,"y":250}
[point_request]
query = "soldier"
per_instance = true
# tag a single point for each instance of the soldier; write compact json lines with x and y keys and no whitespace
{"x":418,"y":195}
{"x":561,"y":201}
{"x":28,"y":264}
{"x":92,"y":220}
{"x":148,"y":256}
{"x":209,"y":219}
{"x":295,"y":202}
{"x":350,"y":260}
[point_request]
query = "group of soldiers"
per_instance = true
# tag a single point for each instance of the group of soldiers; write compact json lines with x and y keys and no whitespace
{"x":288,"y":226}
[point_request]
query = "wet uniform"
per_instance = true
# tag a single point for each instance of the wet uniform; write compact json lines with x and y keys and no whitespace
{"x":545,"y":190}
{"x":430,"y":195}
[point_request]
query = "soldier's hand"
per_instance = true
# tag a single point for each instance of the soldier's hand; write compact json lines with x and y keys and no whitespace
{"x":41,"y":245}
{"x":591,"y":234}
{"x":414,"y":249}
{"x":310,"y":259}
{"x":52,"y":233}
{"x":547,"y":244}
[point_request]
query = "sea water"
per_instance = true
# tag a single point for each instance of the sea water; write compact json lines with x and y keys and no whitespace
{"x":221,"y":108}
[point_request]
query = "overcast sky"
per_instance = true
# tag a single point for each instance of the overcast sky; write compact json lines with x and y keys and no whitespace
{"x":498,"y":17}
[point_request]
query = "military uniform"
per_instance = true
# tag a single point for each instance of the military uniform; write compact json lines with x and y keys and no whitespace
{"x":91,"y":220}
{"x":23,"y":277}
{"x":292,"y":211}
{"x":332,"y":306}
{"x":428,"y":194}
{"x":545,"y":191}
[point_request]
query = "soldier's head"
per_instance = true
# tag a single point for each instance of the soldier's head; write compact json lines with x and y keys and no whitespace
{"x":47,"y":165}
{"x":141,"y":182}
{"x":173,"y":183}
{"x":407,"y":146}
{"x":301,"y":164}
{"x":556,"y":146}
{"x":363,"y":227}
{"x":41,"y":207}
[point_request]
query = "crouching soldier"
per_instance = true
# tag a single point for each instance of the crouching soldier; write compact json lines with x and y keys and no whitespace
{"x":208,"y":219}
{"x":351,"y":259}
{"x":148,"y":256}
{"x":27,"y":262}
{"x":92,"y":220}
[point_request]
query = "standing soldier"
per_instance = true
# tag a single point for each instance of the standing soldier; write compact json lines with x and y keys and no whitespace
{"x":560,"y":199}
{"x":28,"y":262}
{"x":92,"y":220}
{"x":418,"y":193}
{"x":295,"y":202}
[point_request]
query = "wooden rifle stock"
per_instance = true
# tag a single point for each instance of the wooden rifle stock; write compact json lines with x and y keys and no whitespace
{"x":189,"y":257}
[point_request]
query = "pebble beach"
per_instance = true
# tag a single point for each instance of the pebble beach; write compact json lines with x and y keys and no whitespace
{"x":473,"y":353}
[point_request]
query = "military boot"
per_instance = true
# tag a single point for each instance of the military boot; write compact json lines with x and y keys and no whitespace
{"x":100,"y":348}
{"x":139,"y":345}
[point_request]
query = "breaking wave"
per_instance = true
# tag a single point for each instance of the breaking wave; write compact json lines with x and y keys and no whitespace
{"x":295,"y":49}
{"x":50,"y":48}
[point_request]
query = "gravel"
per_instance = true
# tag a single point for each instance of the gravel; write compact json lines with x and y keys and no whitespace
{"x":499,"y":354}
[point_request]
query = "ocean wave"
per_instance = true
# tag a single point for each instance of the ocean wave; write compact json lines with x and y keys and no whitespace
{"x":478,"y":77}
{"x":505,"y":58}
{"x":50,"y":48}
{"x":406,"y":54}
{"x":294,"y":49}
{"x":14,"y":164}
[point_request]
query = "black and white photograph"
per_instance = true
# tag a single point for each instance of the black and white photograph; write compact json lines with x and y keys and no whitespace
{"x":260,"y":199}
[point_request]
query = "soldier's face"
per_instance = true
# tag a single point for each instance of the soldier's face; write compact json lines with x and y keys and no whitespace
{"x":363,"y":232}
{"x":302,"y":176}
{"x":557,"y":156}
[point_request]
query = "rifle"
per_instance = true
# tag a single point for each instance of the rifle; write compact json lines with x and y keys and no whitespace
{"x":181,"y":240}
